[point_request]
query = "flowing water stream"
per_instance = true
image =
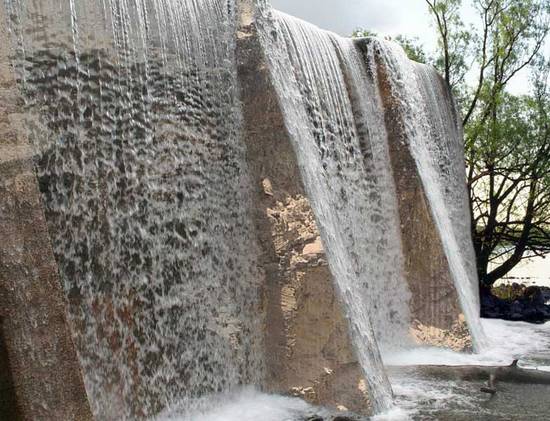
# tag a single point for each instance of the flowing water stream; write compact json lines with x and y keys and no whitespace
{"x":434,"y":136}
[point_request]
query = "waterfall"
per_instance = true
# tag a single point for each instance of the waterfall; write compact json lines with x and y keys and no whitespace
{"x":331,"y":101}
{"x":132,"y":109}
{"x":434,"y":136}
{"x":342,"y":154}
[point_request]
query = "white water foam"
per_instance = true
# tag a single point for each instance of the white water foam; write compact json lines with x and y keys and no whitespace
{"x":412,"y":394}
{"x":506,"y":340}
{"x":244,"y":405}
{"x":537,"y":362}
{"x":394,"y":414}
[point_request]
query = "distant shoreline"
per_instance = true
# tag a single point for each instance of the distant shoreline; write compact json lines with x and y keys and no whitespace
{"x":528,"y":281}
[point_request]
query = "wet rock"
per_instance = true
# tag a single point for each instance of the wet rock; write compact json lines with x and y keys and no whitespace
{"x":527,"y":304}
{"x":347,"y":417}
{"x":457,"y":338}
{"x":313,"y":248}
{"x":267,"y":187}
{"x":306,"y":329}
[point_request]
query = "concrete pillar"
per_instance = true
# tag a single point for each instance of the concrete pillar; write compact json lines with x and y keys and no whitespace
{"x":40,"y":376}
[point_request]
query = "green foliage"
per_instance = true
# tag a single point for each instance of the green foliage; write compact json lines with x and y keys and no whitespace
{"x":509,"y":292}
{"x":363,"y":33}
{"x":507,"y":140}
{"x":454,"y":43}
{"x":412,"y":48}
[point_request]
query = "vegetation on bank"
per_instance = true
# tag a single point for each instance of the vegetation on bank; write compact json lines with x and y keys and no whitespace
{"x":507,"y":135}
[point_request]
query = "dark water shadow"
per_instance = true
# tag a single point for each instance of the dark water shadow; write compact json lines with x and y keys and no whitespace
{"x":8,"y":401}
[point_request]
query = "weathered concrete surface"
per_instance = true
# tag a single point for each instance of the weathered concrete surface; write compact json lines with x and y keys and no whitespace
{"x":309,"y":352}
{"x":437,"y":318}
{"x":40,"y":377}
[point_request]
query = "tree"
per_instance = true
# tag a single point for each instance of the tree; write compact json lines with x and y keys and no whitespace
{"x":453,"y":39}
{"x":509,"y":179}
{"x":506,"y":137}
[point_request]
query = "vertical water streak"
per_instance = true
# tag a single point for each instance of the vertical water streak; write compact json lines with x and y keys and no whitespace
{"x":388,"y":295}
{"x":447,"y":144}
{"x":343,"y":158}
{"x":132,"y":108}
{"x":434,"y":136}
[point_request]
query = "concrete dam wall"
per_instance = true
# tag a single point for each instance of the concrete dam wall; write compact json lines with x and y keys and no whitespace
{"x":202,"y":195}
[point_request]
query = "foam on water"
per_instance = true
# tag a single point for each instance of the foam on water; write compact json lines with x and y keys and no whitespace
{"x":413,"y":394}
{"x":506,"y":341}
{"x":397,"y":413}
{"x":538,"y":362}
{"x":244,"y":405}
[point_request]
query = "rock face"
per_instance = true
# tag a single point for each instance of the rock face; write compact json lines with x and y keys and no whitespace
{"x":309,"y":350}
{"x":40,"y":376}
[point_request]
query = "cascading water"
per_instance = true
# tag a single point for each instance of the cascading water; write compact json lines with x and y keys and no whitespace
{"x":330,"y":96}
{"x":132,"y":110}
{"x":447,"y":143}
{"x":390,"y":313}
{"x":342,"y":155}
{"x":433,"y":136}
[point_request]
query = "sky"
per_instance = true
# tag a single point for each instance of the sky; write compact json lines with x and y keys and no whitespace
{"x":343,"y":16}
{"x":386,"y":17}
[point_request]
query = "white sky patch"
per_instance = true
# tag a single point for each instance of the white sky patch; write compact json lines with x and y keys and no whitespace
{"x":534,"y":271}
{"x":390,"y":17}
